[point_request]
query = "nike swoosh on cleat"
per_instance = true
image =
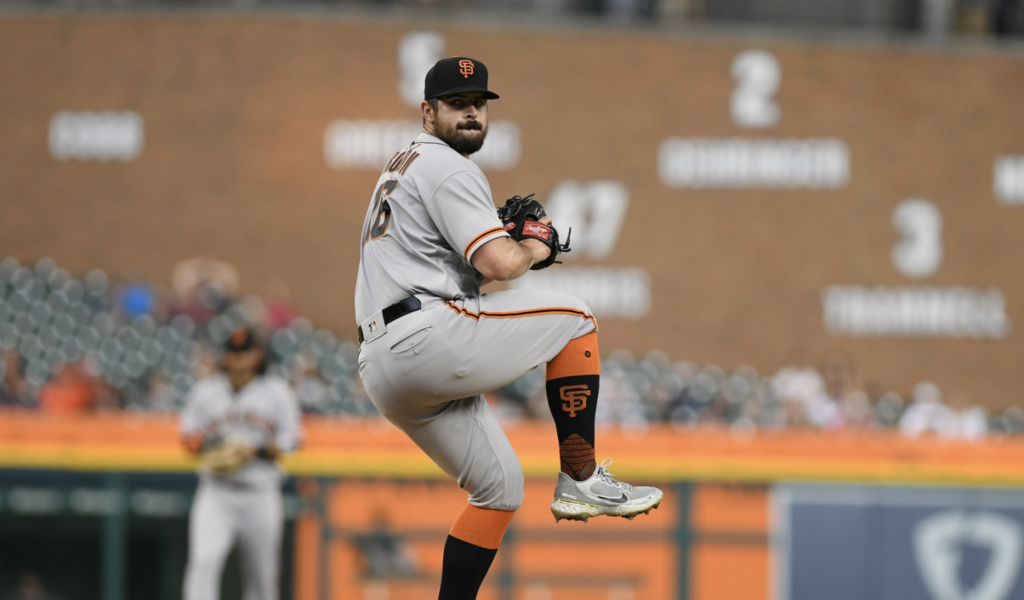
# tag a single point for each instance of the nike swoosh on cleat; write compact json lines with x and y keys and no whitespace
{"x":622,"y":498}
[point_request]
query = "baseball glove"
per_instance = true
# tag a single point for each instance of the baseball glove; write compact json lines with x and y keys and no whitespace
{"x":226,"y":456}
{"x":521,"y":217}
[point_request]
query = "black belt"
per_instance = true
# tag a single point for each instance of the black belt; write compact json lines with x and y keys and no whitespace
{"x":396,"y":311}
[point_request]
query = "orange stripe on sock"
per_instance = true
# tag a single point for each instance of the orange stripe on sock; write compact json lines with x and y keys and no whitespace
{"x":481,"y":526}
{"x":579,"y":357}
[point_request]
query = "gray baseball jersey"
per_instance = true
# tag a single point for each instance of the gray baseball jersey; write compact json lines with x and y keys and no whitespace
{"x":430,"y":212}
{"x":263,"y":411}
{"x":425,"y":372}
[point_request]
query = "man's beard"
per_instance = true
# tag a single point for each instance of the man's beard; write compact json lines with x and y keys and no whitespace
{"x":463,"y":144}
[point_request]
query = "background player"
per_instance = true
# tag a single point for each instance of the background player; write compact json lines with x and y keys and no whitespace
{"x":431,"y":343}
{"x":238,"y":421}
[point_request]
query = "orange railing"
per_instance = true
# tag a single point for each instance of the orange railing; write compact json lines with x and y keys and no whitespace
{"x":372,"y":447}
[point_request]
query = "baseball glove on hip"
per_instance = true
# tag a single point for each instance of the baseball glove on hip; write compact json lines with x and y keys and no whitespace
{"x":226,"y":456}
{"x":521,"y":217}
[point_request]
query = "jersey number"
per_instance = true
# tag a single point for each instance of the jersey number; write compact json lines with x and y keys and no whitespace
{"x":382,"y":211}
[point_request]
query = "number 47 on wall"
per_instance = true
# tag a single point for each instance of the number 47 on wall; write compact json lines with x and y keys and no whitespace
{"x":594,"y":210}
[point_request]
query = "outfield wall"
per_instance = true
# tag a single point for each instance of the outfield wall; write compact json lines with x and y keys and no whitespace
{"x":730,"y":198}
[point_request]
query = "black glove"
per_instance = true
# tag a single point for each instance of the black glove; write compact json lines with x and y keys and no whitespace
{"x":521,"y":217}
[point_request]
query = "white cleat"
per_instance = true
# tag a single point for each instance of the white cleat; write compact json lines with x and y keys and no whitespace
{"x":601,"y":494}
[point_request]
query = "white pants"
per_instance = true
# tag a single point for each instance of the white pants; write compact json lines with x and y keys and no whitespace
{"x":222,"y":515}
{"x":426,"y":374}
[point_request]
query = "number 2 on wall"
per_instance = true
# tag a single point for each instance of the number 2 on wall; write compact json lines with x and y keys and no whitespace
{"x":758,"y":75}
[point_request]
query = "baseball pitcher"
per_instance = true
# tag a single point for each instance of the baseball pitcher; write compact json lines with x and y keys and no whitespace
{"x":432,"y":343}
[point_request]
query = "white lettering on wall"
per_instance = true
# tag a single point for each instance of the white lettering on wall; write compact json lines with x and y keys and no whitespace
{"x":608,"y":292}
{"x":103,"y":136}
{"x":956,"y":312}
{"x":368,"y":144}
{"x":761,"y":163}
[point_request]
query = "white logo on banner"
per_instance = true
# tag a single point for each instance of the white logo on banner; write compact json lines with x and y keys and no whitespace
{"x":368,"y":144}
{"x":919,"y":253}
{"x":417,"y":52}
{"x":594,"y":211}
{"x":96,"y":135}
{"x":938,"y":542}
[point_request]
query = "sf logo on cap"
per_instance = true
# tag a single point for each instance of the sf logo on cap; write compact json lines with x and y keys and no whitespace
{"x":466,"y":68}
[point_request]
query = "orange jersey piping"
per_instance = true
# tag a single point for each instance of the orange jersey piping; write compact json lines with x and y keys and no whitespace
{"x":477,"y":239}
{"x":533,"y":312}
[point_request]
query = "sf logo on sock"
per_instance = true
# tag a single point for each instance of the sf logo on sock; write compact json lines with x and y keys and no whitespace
{"x":574,"y":398}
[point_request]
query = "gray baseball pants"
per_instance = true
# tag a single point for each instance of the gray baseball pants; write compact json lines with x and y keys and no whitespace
{"x":427,"y":372}
{"x":223,"y":514}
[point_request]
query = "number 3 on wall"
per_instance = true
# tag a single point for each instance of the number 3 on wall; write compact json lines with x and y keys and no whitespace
{"x":919,"y":253}
{"x":758,"y":75}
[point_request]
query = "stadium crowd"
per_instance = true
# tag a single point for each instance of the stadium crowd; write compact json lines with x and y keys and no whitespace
{"x":973,"y":18}
{"x":72,"y":345}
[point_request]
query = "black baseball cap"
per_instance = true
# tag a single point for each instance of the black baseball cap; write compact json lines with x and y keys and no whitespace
{"x":456,"y":75}
{"x":241,"y":339}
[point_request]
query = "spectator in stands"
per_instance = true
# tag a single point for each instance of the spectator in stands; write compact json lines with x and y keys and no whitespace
{"x":798,"y":387}
{"x":313,"y":394}
{"x":136,"y":299}
{"x":30,"y":587}
{"x":71,"y":390}
{"x":202,"y":288}
{"x":838,"y":373}
{"x":200,"y":304}
{"x":161,"y":396}
{"x":279,"y":310}
{"x":970,"y":422}
{"x":927,"y":414}
{"x":15,"y":391}
{"x":858,"y":412}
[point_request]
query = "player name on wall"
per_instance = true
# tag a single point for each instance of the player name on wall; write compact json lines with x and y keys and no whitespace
{"x":958,"y":312}
{"x":102,"y":136}
{"x":753,"y":163}
{"x":609,"y":292}
{"x":591,"y":214}
{"x":368,"y":144}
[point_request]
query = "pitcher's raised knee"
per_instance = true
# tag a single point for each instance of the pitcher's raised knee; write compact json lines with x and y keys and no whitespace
{"x":501,"y":489}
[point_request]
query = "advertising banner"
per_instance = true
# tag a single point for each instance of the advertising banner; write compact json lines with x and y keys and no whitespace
{"x":844,"y":542}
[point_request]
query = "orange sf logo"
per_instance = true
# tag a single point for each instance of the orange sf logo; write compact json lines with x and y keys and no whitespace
{"x":466,"y":68}
{"x":574,"y":397}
